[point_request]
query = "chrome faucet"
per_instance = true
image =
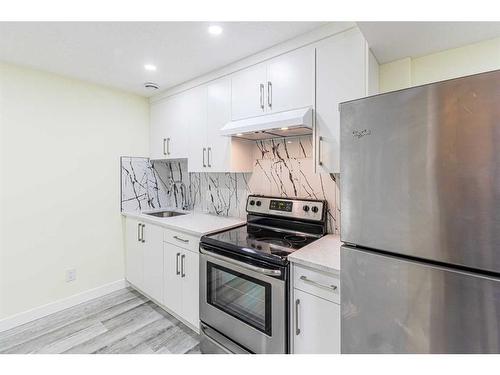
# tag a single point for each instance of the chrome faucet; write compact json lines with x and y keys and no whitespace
{"x":185,"y":206}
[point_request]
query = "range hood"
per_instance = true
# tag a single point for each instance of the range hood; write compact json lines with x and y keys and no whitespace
{"x":276,"y":125}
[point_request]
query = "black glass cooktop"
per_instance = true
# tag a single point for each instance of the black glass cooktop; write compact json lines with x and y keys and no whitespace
{"x":261,"y":242}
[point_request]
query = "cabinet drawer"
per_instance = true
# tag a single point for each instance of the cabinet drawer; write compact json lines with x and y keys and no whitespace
{"x":317,"y":283}
{"x":186,"y":241}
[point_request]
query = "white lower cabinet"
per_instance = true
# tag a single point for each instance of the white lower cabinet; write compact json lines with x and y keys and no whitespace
{"x":153,"y":261}
{"x":165,"y":272}
{"x":181,"y":292}
{"x":172,"y":279}
{"x":190,"y":287}
{"x":134,"y":258}
{"x":315,"y":320}
{"x":144,"y":257}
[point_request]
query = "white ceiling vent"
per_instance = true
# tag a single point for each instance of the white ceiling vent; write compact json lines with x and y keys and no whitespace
{"x":151,"y":86}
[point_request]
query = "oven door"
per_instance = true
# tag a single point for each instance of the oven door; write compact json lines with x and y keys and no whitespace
{"x":244,"y":302}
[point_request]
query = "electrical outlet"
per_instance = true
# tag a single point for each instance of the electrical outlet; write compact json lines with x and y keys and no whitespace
{"x":70,"y":275}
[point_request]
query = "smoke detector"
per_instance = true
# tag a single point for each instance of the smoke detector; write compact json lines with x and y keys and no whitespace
{"x":151,"y":86}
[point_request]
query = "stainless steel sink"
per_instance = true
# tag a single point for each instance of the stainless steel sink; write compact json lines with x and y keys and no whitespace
{"x":165,"y":213}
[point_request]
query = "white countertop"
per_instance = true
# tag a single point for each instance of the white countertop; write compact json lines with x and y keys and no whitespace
{"x":195,"y":223}
{"x":322,"y":254}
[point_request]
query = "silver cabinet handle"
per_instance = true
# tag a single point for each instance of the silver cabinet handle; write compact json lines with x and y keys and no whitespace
{"x":142,"y":233}
{"x":177,"y":263}
{"x":168,"y":146}
{"x":297,"y":329}
{"x":204,"y":165}
{"x":208,"y":157}
{"x":164,"y":142}
{"x":261,"y":86}
{"x":183,"y":260}
{"x":181,"y":239}
{"x":264,"y":271}
{"x":269,"y":94}
{"x":138,"y":232}
{"x":320,"y":139}
{"x":331,"y":288}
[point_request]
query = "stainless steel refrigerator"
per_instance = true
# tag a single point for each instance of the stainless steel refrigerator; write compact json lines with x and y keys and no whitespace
{"x":420,"y":216}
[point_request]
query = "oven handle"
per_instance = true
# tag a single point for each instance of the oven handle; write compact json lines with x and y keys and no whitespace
{"x":264,"y":271}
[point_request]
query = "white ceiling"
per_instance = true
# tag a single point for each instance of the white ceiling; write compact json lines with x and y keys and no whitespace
{"x":390,"y":41}
{"x":114,"y":53}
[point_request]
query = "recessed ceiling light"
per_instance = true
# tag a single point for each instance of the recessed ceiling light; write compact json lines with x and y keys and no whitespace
{"x":284,"y":128}
{"x":215,"y":30}
{"x":239,"y":134}
{"x":150,"y":67}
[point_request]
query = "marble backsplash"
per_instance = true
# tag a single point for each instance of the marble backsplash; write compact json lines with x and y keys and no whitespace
{"x":283,"y":167}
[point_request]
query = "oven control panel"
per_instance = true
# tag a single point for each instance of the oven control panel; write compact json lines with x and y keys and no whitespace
{"x":292,"y":208}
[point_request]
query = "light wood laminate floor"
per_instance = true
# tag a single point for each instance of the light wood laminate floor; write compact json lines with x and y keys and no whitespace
{"x":121,"y":322}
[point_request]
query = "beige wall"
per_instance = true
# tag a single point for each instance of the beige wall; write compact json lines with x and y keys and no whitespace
{"x":452,"y":63}
{"x":60,"y":143}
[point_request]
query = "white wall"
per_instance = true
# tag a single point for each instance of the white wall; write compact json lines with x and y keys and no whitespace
{"x":60,"y":143}
{"x":471,"y":59}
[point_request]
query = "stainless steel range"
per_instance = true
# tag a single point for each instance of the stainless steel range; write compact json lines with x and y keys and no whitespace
{"x":244,"y":275}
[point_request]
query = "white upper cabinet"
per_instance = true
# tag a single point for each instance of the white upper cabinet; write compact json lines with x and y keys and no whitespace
{"x":178,"y":123}
{"x":196,"y":102}
{"x":224,"y":154}
{"x":341,"y":74}
{"x":187,"y":125}
{"x":158,"y":130}
{"x":320,"y":75}
{"x":283,"y":83}
{"x":248,"y":92}
{"x":290,"y":81}
{"x":169,"y":127}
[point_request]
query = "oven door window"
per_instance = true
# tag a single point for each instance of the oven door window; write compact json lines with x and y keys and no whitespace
{"x":239,"y":295}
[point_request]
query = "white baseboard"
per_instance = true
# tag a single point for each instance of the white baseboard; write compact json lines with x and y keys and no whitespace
{"x":50,"y":308}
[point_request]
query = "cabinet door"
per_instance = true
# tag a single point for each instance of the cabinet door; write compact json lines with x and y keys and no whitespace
{"x":340,"y":76}
{"x":248,"y":97}
{"x":290,"y":81}
{"x":178,"y":126}
{"x":153,"y":261}
{"x":172,"y":277}
{"x":190,"y":287}
{"x":319,"y":324}
{"x":218,"y":114}
{"x":133,"y":253}
{"x":158,"y":128}
{"x":196,"y":114}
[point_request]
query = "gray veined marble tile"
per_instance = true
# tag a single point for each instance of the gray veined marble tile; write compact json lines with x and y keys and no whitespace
{"x":282,"y":167}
